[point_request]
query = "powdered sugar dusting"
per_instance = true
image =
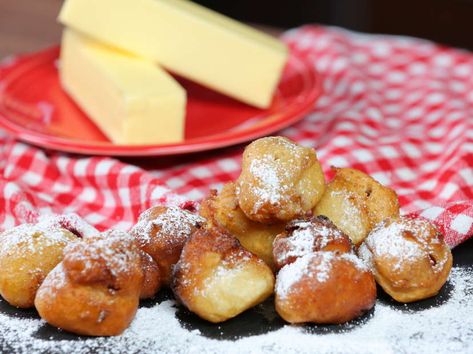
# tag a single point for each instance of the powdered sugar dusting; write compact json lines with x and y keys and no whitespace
{"x":71,"y":222}
{"x":303,"y":267}
{"x":441,"y":329}
{"x":389,"y":241}
{"x":301,"y":242}
{"x":268,"y":172}
{"x":306,"y":237}
{"x":274,"y":176}
{"x":113,"y":248}
{"x":32,"y":239}
{"x":357,"y":262}
{"x":174,"y":224}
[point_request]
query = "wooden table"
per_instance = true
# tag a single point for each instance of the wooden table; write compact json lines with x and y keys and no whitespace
{"x":28,"y":25}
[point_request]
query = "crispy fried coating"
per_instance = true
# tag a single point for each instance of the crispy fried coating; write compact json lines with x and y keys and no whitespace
{"x":218,"y":279}
{"x":27,"y":254}
{"x":222,"y":210}
{"x":304,"y":236}
{"x":409,"y":258}
{"x":324,"y":287}
{"x":279,"y":181}
{"x":162,"y":232}
{"x":95,"y":290}
{"x":151,"y":276}
{"x":356,"y":203}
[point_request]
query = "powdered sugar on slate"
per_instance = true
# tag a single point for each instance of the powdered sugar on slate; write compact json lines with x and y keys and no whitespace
{"x":441,"y":329}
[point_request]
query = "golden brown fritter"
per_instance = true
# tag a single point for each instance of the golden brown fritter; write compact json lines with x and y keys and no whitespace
{"x":324,"y":287}
{"x":95,"y":290}
{"x":356,"y":203}
{"x":27,"y":254}
{"x":218,"y":279}
{"x":162,"y":232}
{"x":409,"y":258}
{"x":279,"y":181}
{"x":304,"y":236}
{"x":222,"y":210}
{"x":151,"y":276}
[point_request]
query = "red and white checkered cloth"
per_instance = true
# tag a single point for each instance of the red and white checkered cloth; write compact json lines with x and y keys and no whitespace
{"x":397,"y":108}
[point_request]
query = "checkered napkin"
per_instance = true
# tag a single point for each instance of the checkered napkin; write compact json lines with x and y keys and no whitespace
{"x":397,"y":108}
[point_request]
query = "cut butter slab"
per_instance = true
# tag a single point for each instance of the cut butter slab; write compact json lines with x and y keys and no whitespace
{"x":188,"y":39}
{"x":131,"y":100}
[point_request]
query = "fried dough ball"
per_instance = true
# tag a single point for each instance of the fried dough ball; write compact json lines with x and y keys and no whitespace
{"x":151,"y":276}
{"x":162,"y":232}
{"x":27,"y":254}
{"x":356,"y":203}
{"x":409,"y":258}
{"x":279,"y":181}
{"x":325,"y":288}
{"x":95,"y":290}
{"x":306,"y":236}
{"x":218,"y":279}
{"x":71,"y":222}
{"x":222,"y":210}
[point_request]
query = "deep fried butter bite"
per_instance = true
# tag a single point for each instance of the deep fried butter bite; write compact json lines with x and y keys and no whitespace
{"x":409,"y":258}
{"x":279,"y":181}
{"x":218,"y":279}
{"x":162,"y":232}
{"x":356,"y":203}
{"x":222,"y":210}
{"x":27,"y":254}
{"x":95,"y":290}
{"x":324,"y":288}
{"x":305,"y":236}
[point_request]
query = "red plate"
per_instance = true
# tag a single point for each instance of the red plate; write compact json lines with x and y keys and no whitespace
{"x":35,"y":109}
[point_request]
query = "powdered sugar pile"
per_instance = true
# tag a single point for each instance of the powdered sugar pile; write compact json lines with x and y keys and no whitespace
{"x":446,"y":327}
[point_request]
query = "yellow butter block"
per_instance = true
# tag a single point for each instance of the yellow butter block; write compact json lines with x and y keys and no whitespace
{"x":196,"y":43}
{"x":131,"y":100}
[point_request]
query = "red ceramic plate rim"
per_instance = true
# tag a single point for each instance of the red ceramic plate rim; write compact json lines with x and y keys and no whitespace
{"x":290,"y":115}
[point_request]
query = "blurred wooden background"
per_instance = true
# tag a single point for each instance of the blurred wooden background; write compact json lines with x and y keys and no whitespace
{"x":28,"y":25}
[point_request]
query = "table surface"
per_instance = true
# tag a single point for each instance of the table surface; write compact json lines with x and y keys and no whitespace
{"x":28,"y":25}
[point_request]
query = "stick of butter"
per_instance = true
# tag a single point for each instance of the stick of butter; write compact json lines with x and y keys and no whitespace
{"x":188,"y":39}
{"x":131,"y":100}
